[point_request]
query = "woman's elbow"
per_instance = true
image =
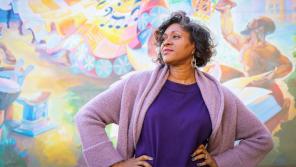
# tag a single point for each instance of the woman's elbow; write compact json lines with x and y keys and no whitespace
{"x":79,"y":118}
{"x":266,"y":142}
{"x":269,"y":143}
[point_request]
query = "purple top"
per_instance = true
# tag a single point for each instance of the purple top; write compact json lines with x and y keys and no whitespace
{"x":176,"y":123}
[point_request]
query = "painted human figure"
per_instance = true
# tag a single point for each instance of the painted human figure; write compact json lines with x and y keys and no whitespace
{"x":258,"y":56}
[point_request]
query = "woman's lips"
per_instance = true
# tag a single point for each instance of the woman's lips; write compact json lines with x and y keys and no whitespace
{"x":166,"y":51}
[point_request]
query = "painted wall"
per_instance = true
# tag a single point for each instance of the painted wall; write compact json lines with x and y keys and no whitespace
{"x":55,"y":55}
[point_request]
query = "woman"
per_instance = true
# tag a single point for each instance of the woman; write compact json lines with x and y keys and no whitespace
{"x":174,"y":115}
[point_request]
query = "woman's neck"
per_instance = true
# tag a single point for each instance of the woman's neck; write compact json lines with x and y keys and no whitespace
{"x":182,"y":74}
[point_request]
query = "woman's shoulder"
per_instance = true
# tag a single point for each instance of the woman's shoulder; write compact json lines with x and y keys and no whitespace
{"x":144,"y":74}
{"x":137,"y":76}
{"x":137,"y":79}
{"x":133,"y":80}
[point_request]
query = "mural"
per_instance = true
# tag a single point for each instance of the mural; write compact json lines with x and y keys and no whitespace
{"x":55,"y":55}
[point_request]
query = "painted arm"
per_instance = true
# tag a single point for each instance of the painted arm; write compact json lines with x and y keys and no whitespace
{"x":284,"y":68}
{"x":234,"y":39}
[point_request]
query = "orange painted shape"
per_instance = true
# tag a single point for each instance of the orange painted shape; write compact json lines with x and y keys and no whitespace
{"x":51,"y":4}
{"x":38,"y":7}
{"x":71,"y":2}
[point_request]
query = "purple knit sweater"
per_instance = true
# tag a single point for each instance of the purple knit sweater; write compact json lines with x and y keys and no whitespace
{"x":126,"y":102}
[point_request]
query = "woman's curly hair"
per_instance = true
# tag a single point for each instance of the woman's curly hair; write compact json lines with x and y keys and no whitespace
{"x":200,"y":35}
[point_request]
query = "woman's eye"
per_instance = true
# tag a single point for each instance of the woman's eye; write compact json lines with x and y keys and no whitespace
{"x":176,"y":36}
{"x":162,"y":39}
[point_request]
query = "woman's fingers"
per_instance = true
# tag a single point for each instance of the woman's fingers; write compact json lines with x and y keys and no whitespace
{"x":199,"y":156}
{"x":135,"y":162}
{"x":144,"y":158}
{"x":143,"y":163}
{"x":198,"y":150}
{"x":202,"y":163}
{"x":202,"y":156}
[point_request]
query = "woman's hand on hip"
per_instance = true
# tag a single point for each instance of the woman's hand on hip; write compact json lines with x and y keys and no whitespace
{"x":203,"y":156}
{"x":134,"y":162}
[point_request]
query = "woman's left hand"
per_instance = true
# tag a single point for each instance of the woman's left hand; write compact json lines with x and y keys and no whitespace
{"x":201,"y":153}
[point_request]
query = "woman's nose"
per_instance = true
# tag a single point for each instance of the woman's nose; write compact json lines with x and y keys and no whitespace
{"x":167,"y":42}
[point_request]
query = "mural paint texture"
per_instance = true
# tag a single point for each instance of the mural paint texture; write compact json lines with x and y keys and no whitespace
{"x":55,"y":55}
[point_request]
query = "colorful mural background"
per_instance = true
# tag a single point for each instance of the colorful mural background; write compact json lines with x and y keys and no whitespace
{"x":57,"y":54}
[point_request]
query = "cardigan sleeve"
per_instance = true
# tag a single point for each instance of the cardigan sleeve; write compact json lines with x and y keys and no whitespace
{"x":255,"y":141}
{"x":91,"y":121}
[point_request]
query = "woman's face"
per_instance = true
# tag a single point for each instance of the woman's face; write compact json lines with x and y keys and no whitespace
{"x":176,"y":48}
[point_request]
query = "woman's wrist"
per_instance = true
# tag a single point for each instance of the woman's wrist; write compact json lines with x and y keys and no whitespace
{"x":214,"y":163}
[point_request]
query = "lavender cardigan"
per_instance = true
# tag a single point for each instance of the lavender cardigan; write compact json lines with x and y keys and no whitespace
{"x":127,"y":100}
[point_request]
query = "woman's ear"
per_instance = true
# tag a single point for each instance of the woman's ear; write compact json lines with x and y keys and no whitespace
{"x":193,"y":51}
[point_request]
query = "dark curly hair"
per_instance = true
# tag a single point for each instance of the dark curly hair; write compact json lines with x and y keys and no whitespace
{"x":200,"y":35}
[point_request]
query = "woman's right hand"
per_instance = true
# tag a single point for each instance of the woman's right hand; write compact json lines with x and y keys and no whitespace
{"x":134,"y":162}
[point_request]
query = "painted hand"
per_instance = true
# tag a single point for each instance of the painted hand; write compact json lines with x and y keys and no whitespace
{"x":224,"y":5}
